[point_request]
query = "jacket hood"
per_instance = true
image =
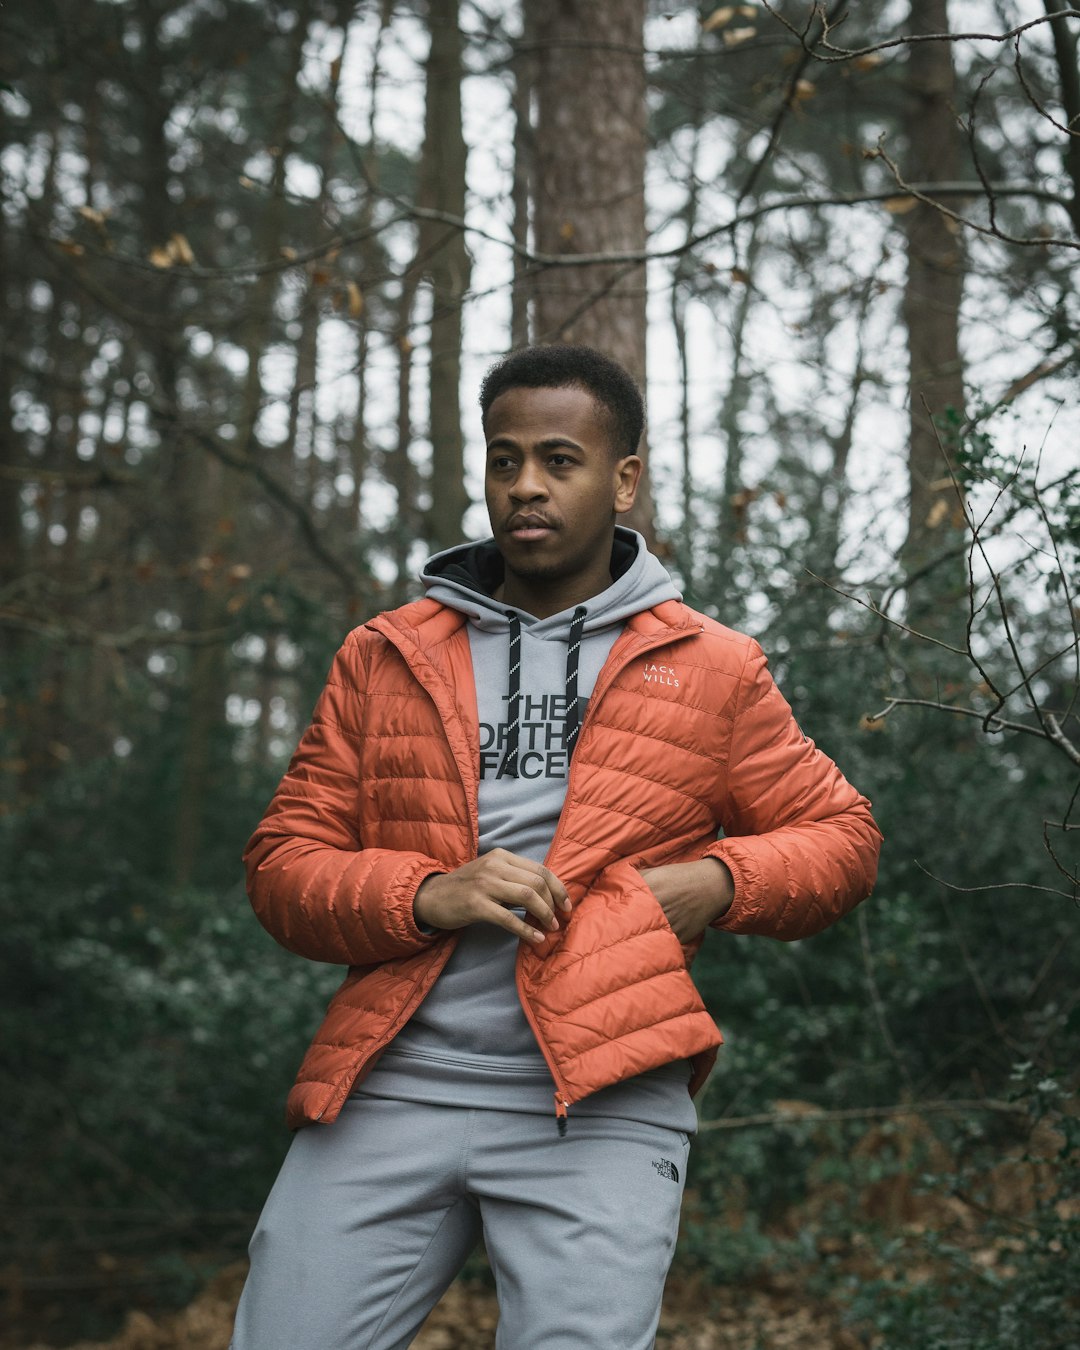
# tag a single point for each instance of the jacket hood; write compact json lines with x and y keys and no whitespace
{"x":464,"y":578}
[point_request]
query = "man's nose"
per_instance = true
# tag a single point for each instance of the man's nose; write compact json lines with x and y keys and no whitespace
{"x":529,"y":483}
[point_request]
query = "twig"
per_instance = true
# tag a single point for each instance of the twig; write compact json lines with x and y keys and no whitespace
{"x":994,"y":886}
{"x":905,"y":628}
{"x":958,"y":1106}
{"x":842,"y":54}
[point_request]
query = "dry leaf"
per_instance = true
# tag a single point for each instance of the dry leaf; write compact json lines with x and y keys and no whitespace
{"x":734,"y":36}
{"x":740,"y":276}
{"x":335,"y":70}
{"x":70,"y":246}
{"x":718,"y":18}
{"x":868,"y":723}
{"x":794,"y":1107}
{"x":161,"y":257}
{"x":870,"y":61}
{"x":566,"y":231}
{"x":938,"y":513}
{"x":899,"y":206}
{"x":289,"y":254}
{"x":356,"y":300}
{"x":94,"y":217}
{"x":803,"y":90}
{"x":181,"y":249}
{"x":246,"y":182}
{"x":725,"y":14}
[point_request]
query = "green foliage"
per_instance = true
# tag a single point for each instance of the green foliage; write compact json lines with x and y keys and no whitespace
{"x":150,"y":1031}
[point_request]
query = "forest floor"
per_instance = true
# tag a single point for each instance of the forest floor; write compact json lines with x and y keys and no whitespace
{"x":777,"y":1317}
{"x":772,"y":1309}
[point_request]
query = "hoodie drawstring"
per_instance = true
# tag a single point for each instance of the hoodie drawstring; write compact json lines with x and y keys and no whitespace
{"x":509,"y":766}
{"x":572,"y":724}
{"x":573,"y":703}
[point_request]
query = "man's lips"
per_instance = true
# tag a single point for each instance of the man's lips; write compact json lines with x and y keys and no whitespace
{"x":529,"y":527}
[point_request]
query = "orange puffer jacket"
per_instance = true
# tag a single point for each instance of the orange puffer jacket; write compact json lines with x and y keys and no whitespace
{"x":685,"y":732}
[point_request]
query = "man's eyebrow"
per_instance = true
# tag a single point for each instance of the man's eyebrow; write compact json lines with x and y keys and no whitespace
{"x":548,"y":443}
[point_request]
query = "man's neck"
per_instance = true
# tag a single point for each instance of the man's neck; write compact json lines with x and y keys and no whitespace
{"x":543,"y":600}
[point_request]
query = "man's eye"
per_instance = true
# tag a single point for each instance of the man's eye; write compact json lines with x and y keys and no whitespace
{"x":560,"y":461}
{"x":500,"y":462}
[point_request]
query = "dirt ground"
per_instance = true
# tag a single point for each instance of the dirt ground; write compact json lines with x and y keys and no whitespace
{"x":465,"y":1320}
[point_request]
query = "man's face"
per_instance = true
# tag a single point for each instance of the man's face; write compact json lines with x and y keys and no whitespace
{"x":553,"y":486}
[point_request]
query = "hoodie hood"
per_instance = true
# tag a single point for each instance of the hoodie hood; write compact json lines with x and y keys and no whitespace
{"x":464,"y":578}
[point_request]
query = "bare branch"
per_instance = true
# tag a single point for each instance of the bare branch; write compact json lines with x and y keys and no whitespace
{"x":76,"y":479}
{"x":407,"y":213}
{"x":960,"y":1107}
{"x":904,"y":628}
{"x":991,"y":722}
{"x":996,"y":886}
{"x":352,"y":580}
{"x":67,"y":630}
{"x":838,"y":55}
{"x":931,"y":196}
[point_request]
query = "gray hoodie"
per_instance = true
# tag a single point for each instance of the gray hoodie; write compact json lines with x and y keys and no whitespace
{"x":469,"y":1044}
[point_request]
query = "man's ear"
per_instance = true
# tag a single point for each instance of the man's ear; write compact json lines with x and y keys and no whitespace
{"x":628,"y":473}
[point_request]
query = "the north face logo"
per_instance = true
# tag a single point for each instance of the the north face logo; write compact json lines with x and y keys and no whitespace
{"x":657,"y":674}
{"x":667,"y":1169}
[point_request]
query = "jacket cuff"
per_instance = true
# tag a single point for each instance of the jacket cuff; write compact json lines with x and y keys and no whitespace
{"x":401,"y":917}
{"x":748,"y":883}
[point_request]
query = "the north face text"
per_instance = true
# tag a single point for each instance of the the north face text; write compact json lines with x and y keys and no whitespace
{"x":542,"y":749}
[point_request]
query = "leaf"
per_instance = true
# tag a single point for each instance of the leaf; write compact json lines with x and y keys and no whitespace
{"x":868,"y":723}
{"x":803,"y":90}
{"x":160,"y":257}
{"x":356,"y":300}
{"x":870,"y":61}
{"x":937,"y":514}
{"x":181,"y":250}
{"x":70,"y":246}
{"x":899,"y":206}
{"x":734,"y":36}
{"x":94,"y":217}
{"x":719,"y":17}
{"x":289,"y":254}
{"x":740,"y":276}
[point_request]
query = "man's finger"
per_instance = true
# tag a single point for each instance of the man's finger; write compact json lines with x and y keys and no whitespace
{"x":517,"y":893}
{"x":557,"y":889}
{"x":505,"y":918}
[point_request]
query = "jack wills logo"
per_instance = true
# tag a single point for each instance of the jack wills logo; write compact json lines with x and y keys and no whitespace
{"x":657,"y":674}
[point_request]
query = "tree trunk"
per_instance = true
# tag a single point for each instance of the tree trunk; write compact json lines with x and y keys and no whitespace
{"x":589,"y":179}
{"x":932,"y":296}
{"x":447,"y":264}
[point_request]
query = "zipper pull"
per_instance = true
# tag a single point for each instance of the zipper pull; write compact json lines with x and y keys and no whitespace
{"x":560,"y":1115}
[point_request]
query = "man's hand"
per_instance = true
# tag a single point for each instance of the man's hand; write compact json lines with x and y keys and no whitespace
{"x":487,"y":889}
{"x":691,"y":894}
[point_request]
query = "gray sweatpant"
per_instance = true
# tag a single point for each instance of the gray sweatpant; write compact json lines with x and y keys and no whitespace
{"x":372,"y":1217}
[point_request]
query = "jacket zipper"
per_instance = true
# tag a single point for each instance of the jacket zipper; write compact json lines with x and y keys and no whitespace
{"x":608,"y":676}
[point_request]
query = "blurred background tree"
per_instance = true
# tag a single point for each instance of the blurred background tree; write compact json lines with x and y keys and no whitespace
{"x":252,"y":256}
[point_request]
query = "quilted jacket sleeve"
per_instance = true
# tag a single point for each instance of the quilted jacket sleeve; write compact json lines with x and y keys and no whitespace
{"x":800,"y":841}
{"x":313,"y":885}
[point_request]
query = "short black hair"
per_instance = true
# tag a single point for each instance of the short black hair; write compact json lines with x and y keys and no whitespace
{"x":563,"y":365}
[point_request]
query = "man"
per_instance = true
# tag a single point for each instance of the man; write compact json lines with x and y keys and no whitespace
{"x":503,"y":818}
